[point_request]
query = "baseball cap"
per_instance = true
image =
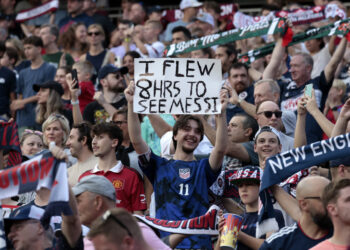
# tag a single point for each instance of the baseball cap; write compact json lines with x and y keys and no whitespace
{"x":49,"y":85}
{"x":95,"y":184}
{"x":23,"y":213}
{"x":340,"y":161}
{"x":205,"y":17}
{"x":109,"y":69}
{"x":267,"y":129}
{"x":249,"y":172}
{"x":189,"y":3}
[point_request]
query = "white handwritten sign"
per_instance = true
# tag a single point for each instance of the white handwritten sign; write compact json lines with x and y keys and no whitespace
{"x":177,"y":86}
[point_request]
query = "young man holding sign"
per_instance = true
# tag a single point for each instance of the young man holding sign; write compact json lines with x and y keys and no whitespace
{"x":181,"y":184}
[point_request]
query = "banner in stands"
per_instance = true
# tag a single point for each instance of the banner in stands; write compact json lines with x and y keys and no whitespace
{"x":281,"y":166}
{"x":47,"y":7}
{"x":177,"y":86}
{"x":340,"y":27}
{"x":277,"y":25}
{"x":206,"y":224}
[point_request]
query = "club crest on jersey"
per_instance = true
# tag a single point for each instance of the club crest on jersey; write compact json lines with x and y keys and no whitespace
{"x":184,"y":173}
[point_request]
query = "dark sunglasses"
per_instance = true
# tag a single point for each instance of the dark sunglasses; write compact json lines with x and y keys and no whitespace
{"x":94,"y":33}
{"x":268,"y":114}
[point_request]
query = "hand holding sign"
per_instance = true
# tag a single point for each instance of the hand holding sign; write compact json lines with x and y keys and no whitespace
{"x":177,"y":86}
{"x":129,"y":92}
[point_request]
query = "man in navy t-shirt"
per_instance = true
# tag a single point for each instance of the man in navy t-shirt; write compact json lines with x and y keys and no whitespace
{"x":181,"y":184}
{"x":313,"y":224}
{"x":292,"y":90}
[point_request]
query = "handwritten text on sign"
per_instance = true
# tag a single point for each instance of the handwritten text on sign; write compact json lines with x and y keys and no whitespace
{"x":177,"y":86}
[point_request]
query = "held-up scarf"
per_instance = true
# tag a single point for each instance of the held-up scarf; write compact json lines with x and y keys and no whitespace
{"x":281,"y":166}
{"x":277,"y":25}
{"x":340,"y":27}
{"x":205,"y":224}
{"x":41,"y":171}
{"x":47,"y":7}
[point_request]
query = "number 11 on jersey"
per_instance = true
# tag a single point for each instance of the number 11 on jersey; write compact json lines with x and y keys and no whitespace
{"x":184,"y":189}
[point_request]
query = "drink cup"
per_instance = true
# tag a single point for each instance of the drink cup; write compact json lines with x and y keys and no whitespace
{"x":233,"y":223}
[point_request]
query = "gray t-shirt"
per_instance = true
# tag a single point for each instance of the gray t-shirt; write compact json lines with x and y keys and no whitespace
{"x":27,"y":78}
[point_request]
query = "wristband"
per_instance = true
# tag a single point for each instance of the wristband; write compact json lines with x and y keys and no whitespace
{"x":74,"y":103}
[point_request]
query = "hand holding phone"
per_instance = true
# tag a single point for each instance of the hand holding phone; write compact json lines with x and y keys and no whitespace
{"x":308,"y":90}
{"x":75,"y":78}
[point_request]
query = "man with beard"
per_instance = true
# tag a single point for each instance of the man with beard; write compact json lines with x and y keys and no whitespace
{"x":313,"y":224}
{"x":79,"y":143}
{"x":110,"y":99}
{"x":239,"y":80}
{"x":181,"y":184}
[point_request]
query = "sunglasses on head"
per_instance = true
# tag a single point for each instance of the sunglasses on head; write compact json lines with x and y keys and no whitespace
{"x":97,"y":33}
{"x":268,"y":114}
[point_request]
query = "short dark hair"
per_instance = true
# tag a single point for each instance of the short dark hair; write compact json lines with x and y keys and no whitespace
{"x":182,"y":122}
{"x":133,"y":54}
{"x":53,"y":29}
{"x":112,"y":130}
{"x":238,"y":65}
{"x":184,"y":30}
{"x":127,"y":22}
{"x":249,"y":122}
{"x":331,"y":191}
{"x":230,"y":49}
{"x":33,"y":40}
{"x":84,"y":130}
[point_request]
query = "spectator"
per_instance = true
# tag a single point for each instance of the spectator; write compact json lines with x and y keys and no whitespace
{"x":313,"y":225}
{"x":335,"y":197}
{"x":269,"y":114}
{"x":203,"y":21}
{"x":106,"y":232}
{"x":60,"y":77}
{"x":7,"y":86}
{"x":79,"y":144}
{"x":248,"y":180}
{"x":239,"y":81}
{"x":227,"y":55}
{"x":127,"y":45}
{"x":181,"y":34}
{"x":334,"y":101}
{"x":111,"y":98}
{"x":31,"y":143}
{"x":301,"y":68}
{"x":107,"y":138}
{"x":138,"y":13}
{"x":49,"y":35}
{"x":49,"y":101}
{"x":56,"y":129}
{"x":84,"y":71}
{"x":76,"y":14}
{"x":202,"y":53}
{"x":73,"y":41}
{"x":128,"y":61}
{"x":18,"y":46}
{"x":190,"y":10}
{"x":189,"y":180}
{"x":97,"y":55}
{"x":9,"y":59}
{"x":39,"y":72}
{"x":148,"y":44}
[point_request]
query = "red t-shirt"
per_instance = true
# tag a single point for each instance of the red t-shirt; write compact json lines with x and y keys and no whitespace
{"x":87,"y":94}
{"x":128,"y":186}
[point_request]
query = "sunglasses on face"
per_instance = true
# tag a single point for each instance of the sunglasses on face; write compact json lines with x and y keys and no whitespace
{"x":268,"y":114}
{"x":97,"y":33}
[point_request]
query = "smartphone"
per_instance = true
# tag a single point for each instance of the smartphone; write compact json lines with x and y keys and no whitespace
{"x":75,"y":77}
{"x":308,"y":90}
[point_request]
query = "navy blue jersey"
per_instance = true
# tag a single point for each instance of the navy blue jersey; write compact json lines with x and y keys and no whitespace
{"x":181,"y":191}
{"x":291,"y":237}
{"x":247,"y":95}
{"x":291,"y":93}
{"x":249,"y":225}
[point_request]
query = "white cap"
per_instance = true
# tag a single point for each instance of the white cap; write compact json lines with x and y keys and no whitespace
{"x":206,"y":17}
{"x":189,"y":3}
